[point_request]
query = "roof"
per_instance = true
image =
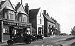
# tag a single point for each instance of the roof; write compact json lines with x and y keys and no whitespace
{"x":22,"y":12}
{"x":7,"y":7}
{"x":33,"y":12}
{"x":18,"y":5}
{"x":2,"y":2}
{"x":48,"y":18}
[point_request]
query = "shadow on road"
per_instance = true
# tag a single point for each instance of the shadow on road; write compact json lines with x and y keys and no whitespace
{"x":15,"y":44}
{"x":73,"y":44}
{"x":4,"y":45}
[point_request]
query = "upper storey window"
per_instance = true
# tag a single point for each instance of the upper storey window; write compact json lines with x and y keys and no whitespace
{"x":22,"y":18}
{"x":11,"y":15}
{"x":8,"y":14}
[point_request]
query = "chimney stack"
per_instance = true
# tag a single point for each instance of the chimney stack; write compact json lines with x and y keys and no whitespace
{"x":18,"y":3}
{"x":27,"y":8}
{"x":44,"y":11}
{"x":0,"y":5}
{"x":21,"y":1}
{"x":47,"y":14}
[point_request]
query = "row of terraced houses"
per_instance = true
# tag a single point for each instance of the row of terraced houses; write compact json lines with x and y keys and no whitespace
{"x":22,"y":19}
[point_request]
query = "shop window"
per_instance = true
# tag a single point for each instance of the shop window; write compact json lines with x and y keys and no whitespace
{"x":5,"y":31}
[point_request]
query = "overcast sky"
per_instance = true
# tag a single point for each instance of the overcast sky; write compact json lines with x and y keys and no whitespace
{"x":62,"y":10}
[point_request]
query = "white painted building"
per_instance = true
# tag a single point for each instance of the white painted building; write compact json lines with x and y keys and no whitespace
{"x":40,"y":22}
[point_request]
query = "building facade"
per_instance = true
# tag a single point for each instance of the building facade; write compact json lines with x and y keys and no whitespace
{"x":7,"y":17}
{"x":49,"y":24}
{"x":23,"y":17}
{"x":37,"y":20}
{"x":57,"y":27}
{"x":13,"y":21}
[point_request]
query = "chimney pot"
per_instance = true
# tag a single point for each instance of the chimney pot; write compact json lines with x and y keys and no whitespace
{"x":27,"y":8}
{"x":18,"y":3}
{"x":21,"y":1}
{"x":44,"y":11}
{"x":26,"y":4}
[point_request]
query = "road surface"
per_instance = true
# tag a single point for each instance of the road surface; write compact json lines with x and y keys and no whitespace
{"x":48,"y":41}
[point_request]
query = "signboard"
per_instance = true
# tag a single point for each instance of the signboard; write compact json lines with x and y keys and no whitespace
{"x":28,"y":29}
{"x":3,"y":30}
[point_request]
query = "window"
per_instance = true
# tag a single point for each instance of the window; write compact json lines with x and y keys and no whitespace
{"x":11,"y":15}
{"x":5,"y":14}
{"x":40,"y":21}
{"x":6,"y":30}
{"x":40,"y":14}
{"x":20,"y":19}
{"x":24,"y":18}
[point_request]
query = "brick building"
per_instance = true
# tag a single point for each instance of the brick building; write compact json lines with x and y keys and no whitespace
{"x":37,"y":20}
{"x":57,"y":27}
{"x":49,"y":24}
{"x":13,"y":20}
{"x":23,"y":17}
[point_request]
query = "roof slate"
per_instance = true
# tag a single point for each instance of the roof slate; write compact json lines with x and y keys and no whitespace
{"x":2,"y":2}
{"x":17,"y":6}
{"x":33,"y":12}
{"x":48,"y":18}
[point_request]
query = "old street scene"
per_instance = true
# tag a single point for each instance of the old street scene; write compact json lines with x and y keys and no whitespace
{"x":37,"y":23}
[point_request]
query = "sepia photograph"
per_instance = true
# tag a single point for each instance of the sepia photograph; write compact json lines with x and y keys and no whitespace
{"x":37,"y":23}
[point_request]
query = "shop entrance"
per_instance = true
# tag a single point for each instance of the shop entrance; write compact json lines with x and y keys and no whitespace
{"x":40,"y":30}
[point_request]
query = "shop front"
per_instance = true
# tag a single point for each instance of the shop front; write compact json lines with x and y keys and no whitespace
{"x":8,"y":29}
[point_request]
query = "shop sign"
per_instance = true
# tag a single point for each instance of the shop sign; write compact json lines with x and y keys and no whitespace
{"x":3,"y":30}
{"x":28,"y":28}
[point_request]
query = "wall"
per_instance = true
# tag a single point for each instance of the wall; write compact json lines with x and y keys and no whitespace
{"x":45,"y":27}
{"x":40,"y":16}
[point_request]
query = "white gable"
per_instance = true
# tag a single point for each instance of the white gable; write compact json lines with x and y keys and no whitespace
{"x":21,"y":9}
{"x":40,"y":16}
{"x":7,"y":3}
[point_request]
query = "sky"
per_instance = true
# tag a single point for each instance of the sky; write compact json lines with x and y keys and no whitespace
{"x":61,"y":10}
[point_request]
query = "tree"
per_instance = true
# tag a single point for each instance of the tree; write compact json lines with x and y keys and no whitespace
{"x":73,"y":31}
